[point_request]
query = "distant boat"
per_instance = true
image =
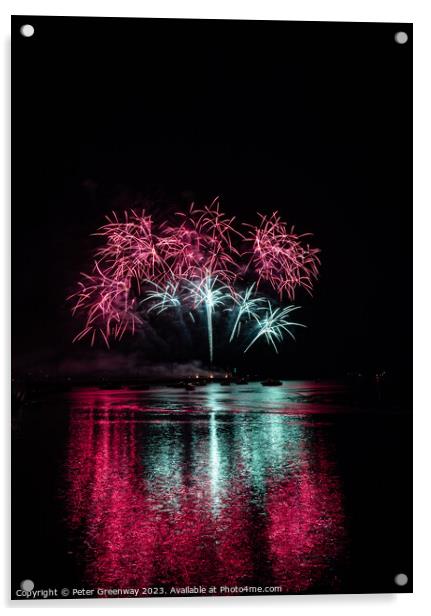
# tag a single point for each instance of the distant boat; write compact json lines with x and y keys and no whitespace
{"x":179,"y":384}
{"x":189,"y":387}
{"x":242,"y":381}
{"x":271,"y":383}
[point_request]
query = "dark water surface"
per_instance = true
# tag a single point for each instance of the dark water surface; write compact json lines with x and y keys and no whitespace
{"x":222,"y":486}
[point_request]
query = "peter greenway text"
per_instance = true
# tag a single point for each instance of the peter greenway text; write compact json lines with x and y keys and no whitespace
{"x":156,"y":591}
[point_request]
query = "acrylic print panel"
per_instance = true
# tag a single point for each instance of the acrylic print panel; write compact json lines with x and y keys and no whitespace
{"x":211,"y":308}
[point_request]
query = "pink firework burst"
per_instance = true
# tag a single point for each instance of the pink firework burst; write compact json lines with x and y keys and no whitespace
{"x":105,"y":300}
{"x":281,"y":257}
{"x":201,"y":245}
{"x":131,"y":248}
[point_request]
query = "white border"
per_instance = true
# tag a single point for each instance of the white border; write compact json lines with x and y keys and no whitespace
{"x":312,"y":10}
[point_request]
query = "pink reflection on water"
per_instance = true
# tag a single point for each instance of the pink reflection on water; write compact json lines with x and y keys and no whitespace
{"x":186,"y":501}
{"x":306,"y":524}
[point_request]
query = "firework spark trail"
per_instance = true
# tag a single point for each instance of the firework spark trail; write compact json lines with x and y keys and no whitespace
{"x":106,"y":301}
{"x":218,"y":230}
{"x":211,"y":294}
{"x":201,"y":245}
{"x":165,"y":297}
{"x":247,"y":305}
{"x":131,"y":248}
{"x":274,"y":325}
{"x":200,"y":251}
{"x":281,"y":257}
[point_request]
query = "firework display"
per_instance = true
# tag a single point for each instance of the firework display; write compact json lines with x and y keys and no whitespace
{"x":281,"y":257}
{"x":246,"y":306}
{"x":273,"y":325}
{"x":198,"y":262}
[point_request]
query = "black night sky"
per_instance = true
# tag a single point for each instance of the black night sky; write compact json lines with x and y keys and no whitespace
{"x":310,"y":119}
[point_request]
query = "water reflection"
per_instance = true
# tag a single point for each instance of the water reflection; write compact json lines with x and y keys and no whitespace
{"x":223,"y":493}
